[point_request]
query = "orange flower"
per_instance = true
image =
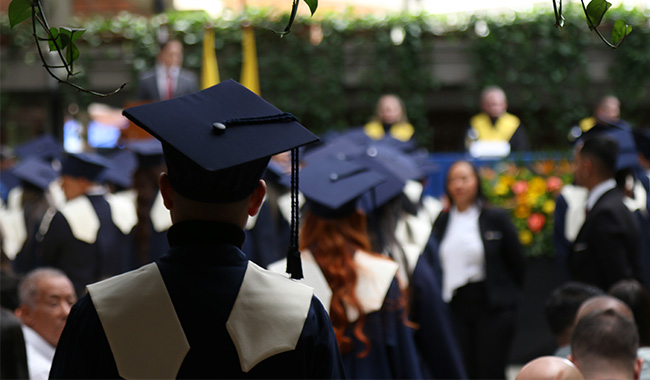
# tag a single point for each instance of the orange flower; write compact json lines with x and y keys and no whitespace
{"x":536,"y":222}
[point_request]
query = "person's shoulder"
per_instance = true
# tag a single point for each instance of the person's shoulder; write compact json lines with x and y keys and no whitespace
{"x":150,"y":73}
{"x":494,"y":213}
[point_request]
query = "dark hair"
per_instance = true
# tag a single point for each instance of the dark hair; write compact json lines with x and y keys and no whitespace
{"x":605,"y":152}
{"x":605,"y":334}
{"x":638,"y":299}
{"x":479,"y":191}
{"x":562,"y":305}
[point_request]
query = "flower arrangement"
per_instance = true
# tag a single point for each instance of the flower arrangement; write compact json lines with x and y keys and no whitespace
{"x":529,"y":193}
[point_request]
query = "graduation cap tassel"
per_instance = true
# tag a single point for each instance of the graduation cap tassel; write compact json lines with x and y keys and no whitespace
{"x":294,"y":265}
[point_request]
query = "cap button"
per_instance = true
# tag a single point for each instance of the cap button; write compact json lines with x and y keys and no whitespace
{"x":219,"y":126}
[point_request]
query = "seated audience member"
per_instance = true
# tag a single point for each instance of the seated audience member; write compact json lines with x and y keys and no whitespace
{"x":604,"y":346}
{"x":494,"y":123}
{"x":560,"y":310}
{"x":46,"y":297}
{"x":638,"y":299}
{"x":390,"y":119}
{"x":549,"y":368}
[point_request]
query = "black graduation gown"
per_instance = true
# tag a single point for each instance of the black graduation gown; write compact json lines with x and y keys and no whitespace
{"x":202,"y":272}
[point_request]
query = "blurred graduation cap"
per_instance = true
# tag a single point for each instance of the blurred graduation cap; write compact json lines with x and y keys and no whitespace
{"x":642,"y":141}
{"x":218,"y":141}
{"x":85,"y":165}
{"x":332,"y":187}
{"x":36,"y":172}
{"x":123,"y":164}
{"x":627,"y":153}
{"x":149,"y":152}
{"x":44,"y":146}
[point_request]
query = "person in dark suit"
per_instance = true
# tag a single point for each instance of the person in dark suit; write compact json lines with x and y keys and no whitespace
{"x":167,"y":79}
{"x":483,"y":272}
{"x":606,"y":249}
{"x":203,"y":310}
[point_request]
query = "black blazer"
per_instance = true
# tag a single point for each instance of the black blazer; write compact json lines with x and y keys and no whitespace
{"x":504,"y":260}
{"x":606,"y":249}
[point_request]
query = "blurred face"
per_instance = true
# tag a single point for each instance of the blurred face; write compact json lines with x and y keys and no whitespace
{"x":172,"y":54}
{"x":494,"y":103}
{"x":581,"y":169}
{"x":73,"y":187}
{"x":390,"y":110}
{"x":462,"y":184}
{"x":609,"y":110}
{"x":54,"y":298}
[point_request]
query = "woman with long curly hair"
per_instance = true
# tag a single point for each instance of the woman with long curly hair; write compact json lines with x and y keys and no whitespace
{"x":357,"y":286}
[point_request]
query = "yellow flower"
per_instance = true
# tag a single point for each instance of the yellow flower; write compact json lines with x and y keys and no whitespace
{"x":531,"y":198}
{"x":525,"y":237}
{"x":549,"y":206}
{"x":507,"y":180}
{"x":501,"y":188}
{"x":537,"y":185}
{"x":521,"y":211}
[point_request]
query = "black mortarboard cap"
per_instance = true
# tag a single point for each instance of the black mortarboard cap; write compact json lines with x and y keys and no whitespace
{"x":36,"y":172}
{"x":85,"y":165}
{"x":44,"y":146}
{"x":642,"y":141}
{"x":332,"y":187}
{"x":123,"y":164}
{"x":217,"y":142}
{"x":149,"y":152}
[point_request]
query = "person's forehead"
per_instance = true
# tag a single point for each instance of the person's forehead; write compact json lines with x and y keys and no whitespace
{"x":54,"y":286}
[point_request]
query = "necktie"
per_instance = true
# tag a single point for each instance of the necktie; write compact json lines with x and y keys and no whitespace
{"x":170,"y":86}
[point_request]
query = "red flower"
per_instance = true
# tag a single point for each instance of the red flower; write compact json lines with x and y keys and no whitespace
{"x":536,"y":222}
{"x":553,"y":183}
{"x":520,"y":187}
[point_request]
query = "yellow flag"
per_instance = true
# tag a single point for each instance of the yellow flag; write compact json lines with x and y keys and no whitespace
{"x":209,"y":68}
{"x":250,"y":77}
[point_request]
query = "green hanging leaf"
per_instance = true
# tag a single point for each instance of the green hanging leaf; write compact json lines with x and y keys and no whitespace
{"x":313,"y":4}
{"x":54,"y":36}
{"x":19,"y":11}
{"x":72,"y":53}
{"x":620,"y":31}
{"x":75,"y":33}
{"x":596,"y":11}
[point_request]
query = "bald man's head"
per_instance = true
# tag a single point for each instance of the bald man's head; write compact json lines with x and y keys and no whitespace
{"x":549,"y":368}
{"x":601,"y":303}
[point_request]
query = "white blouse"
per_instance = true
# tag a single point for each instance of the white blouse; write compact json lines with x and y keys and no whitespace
{"x":461,"y":251}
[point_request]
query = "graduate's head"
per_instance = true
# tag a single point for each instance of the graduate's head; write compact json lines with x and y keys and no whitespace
{"x":79,"y":172}
{"x":217,"y":143}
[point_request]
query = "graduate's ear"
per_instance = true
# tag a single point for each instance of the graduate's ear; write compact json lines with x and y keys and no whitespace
{"x":256,"y":198}
{"x":166,"y":190}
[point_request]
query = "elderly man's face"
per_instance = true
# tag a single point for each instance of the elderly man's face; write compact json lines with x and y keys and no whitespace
{"x":494,"y":103}
{"x":54,"y":298}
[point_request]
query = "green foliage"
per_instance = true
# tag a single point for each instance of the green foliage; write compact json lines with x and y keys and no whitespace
{"x":596,"y":11}
{"x":334,"y":83}
{"x":19,"y":11}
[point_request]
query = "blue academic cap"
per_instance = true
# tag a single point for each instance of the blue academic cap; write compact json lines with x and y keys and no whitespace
{"x":44,"y":146}
{"x":149,"y":152}
{"x":218,"y":141}
{"x":123,"y":164}
{"x":627,"y":153}
{"x":36,"y":172}
{"x":85,"y":165}
{"x":332,"y":187}
{"x":642,"y":141}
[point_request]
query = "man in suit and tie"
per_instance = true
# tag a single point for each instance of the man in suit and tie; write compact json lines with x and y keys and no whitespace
{"x":606,"y":249}
{"x":167,"y":79}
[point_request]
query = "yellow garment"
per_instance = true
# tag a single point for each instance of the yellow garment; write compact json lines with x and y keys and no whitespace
{"x":506,"y":126}
{"x":587,"y":123}
{"x":250,"y":77}
{"x":209,"y":67}
{"x":399,"y":131}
